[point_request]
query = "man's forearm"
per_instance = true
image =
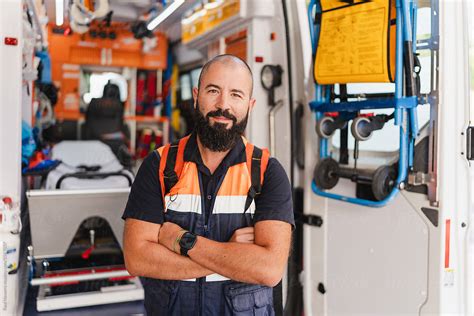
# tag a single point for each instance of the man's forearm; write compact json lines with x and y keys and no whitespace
{"x":247,"y":263}
{"x":156,"y":261}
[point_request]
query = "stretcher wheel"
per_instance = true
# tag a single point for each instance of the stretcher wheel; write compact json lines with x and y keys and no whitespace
{"x":361,"y":129}
{"x":325,"y":127}
{"x":383,"y":181}
{"x":326,"y":174}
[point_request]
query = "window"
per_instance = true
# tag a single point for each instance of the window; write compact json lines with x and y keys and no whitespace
{"x":97,"y":82}
{"x":187,"y":81}
{"x":423,"y":32}
{"x":195,"y":76}
{"x":185,"y":87}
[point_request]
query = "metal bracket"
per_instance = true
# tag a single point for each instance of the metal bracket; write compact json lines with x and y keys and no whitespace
{"x":419,"y":178}
{"x":311,"y":220}
{"x":470,"y":143}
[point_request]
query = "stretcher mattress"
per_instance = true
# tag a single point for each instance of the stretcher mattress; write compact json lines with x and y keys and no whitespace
{"x":78,"y":158}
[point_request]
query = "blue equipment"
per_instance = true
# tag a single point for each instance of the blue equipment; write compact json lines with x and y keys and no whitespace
{"x":386,"y":181}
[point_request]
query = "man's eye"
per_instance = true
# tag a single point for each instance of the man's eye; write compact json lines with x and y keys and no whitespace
{"x":236,"y":95}
{"x":212,"y":91}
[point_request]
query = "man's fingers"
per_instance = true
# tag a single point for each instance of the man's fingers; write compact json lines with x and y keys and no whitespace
{"x":243,"y":235}
{"x":244,"y":241}
{"x":248,"y":236}
{"x":245,"y":230}
{"x":245,"y":238}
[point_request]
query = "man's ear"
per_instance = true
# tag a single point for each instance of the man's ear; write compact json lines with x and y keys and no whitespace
{"x":195,"y":95}
{"x":251,"y":104}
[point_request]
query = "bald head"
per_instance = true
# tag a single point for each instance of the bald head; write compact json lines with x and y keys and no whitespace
{"x":228,"y":60}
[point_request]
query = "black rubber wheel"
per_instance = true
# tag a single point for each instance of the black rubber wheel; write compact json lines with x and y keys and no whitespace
{"x":325,"y":127}
{"x":326,"y":174}
{"x":383,"y":182}
{"x":360,"y":128}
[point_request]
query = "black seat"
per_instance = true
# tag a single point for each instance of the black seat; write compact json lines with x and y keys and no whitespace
{"x":105,"y":121}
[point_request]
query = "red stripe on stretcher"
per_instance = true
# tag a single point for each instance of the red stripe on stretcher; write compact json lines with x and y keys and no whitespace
{"x":446,"y":243}
{"x":87,"y":271}
{"x":121,"y":278}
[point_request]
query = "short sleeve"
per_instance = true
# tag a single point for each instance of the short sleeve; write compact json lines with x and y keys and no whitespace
{"x":145,"y":201}
{"x":275,"y":200}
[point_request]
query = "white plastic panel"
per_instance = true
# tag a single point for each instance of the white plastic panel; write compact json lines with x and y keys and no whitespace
{"x":10,"y":98}
{"x":377,"y":259}
{"x":10,"y":149}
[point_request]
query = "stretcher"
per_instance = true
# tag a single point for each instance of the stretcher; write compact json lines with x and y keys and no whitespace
{"x":87,"y":165}
{"x":361,"y":42}
{"x":76,"y":255}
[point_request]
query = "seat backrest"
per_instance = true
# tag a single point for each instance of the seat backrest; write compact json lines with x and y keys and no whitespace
{"x":105,"y":115}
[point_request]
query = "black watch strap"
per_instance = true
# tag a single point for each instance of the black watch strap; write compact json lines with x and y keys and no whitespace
{"x":186,"y":243}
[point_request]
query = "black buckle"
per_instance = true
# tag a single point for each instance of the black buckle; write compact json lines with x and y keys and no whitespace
{"x":311,"y":220}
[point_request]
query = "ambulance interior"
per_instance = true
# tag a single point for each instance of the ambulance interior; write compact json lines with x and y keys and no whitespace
{"x":368,"y":105}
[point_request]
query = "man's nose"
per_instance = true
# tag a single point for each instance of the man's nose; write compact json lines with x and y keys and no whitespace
{"x":223,"y":102}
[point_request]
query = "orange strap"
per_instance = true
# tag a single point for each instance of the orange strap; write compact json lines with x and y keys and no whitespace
{"x":161,"y":171}
{"x":248,"y":154}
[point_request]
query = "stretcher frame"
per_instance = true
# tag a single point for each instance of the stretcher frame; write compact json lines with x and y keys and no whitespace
{"x":404,"y":106}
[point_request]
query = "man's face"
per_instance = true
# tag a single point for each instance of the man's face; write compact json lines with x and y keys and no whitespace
{"x":222,"y":105}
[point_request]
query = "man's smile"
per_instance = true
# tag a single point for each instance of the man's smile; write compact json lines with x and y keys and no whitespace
{"x":220,"y":119}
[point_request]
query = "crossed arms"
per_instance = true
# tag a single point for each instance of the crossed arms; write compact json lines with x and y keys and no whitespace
{"x":256,"y":255}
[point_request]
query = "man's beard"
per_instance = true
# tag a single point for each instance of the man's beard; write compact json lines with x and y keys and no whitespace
{"x":217,"y":137}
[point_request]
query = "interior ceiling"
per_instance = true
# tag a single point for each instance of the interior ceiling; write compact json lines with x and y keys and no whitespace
{"x":132,"y":10}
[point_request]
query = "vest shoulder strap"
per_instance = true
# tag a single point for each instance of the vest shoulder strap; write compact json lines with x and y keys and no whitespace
{"x":171,"y":165}
{"x":172,"y":162}
{"x":257,"y":162}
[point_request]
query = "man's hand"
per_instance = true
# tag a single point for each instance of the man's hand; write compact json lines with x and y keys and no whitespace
{"x":261,"y":262}
{"x":169,"y":232}
{"x":244,"y":235}
{"x":144,"y":256}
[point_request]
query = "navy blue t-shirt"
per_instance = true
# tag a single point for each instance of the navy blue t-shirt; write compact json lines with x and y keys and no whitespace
{"x":145,"y":201}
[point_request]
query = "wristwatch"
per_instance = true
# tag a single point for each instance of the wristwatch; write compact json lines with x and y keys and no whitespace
{"x":186,"y":243}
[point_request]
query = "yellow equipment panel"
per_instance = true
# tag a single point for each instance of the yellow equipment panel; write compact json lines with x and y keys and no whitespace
{"x":356,"y":42}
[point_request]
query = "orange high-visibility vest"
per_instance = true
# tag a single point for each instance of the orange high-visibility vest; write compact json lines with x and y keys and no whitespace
{"x":232,"y":207}
{"x":180,"y":187}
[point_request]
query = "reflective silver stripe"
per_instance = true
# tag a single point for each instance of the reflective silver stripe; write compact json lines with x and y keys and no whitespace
{"x":216,"y":277}
{"x":232,"y":204}
{"x":184,"y":203}
{"x":210,"y":278}
{"x":224,"y":204}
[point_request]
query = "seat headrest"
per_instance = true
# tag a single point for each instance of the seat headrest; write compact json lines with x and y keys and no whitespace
{"x":111,"y":91}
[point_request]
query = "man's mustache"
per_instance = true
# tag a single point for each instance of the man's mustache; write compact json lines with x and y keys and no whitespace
{"x":225,"y":114}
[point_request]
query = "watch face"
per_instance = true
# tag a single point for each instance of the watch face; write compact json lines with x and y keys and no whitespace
{"x":187,"y":240}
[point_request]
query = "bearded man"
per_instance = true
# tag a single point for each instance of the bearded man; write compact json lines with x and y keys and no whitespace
{"x":209,"y":218}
